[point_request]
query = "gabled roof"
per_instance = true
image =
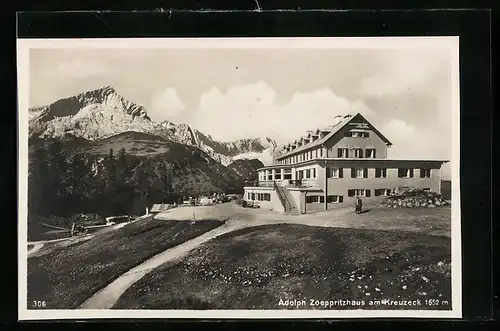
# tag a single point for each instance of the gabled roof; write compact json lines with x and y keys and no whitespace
{"x":332,"y":131}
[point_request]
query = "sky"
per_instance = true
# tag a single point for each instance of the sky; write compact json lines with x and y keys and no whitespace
{"x":257,"y":92}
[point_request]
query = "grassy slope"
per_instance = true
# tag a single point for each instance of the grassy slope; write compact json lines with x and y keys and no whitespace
{"x":255,"y":267}
{"x":247,"y":169}
{"x":68,"y":276}
{"x":194,"y":172}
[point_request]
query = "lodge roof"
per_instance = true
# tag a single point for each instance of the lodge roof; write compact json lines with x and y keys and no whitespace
{"x":330,"y":132}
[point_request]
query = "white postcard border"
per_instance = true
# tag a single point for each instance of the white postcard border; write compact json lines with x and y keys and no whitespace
{"x":23,"y":65}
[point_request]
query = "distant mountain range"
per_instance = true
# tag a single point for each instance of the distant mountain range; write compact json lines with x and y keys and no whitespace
{"x":102,"y":114}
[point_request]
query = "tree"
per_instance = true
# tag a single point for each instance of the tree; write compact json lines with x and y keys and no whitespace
{"x":110,"y":187}
{"x":78,"y":174}
{"x":39,"y":191}
{"x":124,"y":193}
{"x":122,"y":166}
{"x":57,"y":176}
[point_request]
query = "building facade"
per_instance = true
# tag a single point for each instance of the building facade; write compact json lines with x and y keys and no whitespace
{"x":336,"y":164}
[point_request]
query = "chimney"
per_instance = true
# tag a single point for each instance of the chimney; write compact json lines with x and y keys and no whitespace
{"x":337,"y":119}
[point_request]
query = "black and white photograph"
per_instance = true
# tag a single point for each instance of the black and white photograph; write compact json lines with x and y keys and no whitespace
{"x":239,"y":178}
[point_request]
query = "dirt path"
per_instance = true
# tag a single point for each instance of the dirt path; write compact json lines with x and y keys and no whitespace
{"x":107,"y":297}
{"x":37,"y":245}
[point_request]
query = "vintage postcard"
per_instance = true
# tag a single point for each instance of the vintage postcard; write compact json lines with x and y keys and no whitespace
{"x":239,"y":178}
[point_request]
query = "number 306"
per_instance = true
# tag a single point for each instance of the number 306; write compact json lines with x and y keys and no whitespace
{"x":39,"y":304}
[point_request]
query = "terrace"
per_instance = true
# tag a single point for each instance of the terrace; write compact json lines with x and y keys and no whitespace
{"x":294,"y":183}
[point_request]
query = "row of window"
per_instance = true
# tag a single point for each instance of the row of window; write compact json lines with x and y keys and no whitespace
{"x":379,"y":173}
{"x":367,"y":153}
{"x":306,"y":173}
{"x":351,"y":193}
{"x":321,"y":199}
{"x":268,"y":175}
{"x":259,"y":196}
{"x":306,"y":156}
{"x":367,"y":192}
{"x":357,"y":134}
{"x":311,"y":173}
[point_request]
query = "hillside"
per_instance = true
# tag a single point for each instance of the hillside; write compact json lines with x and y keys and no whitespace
{"x":121,"y":174}
{"x":192,"y":171}
{"x":103,"y":113}
{"x":247,"y":169}
{"x":134,"y":143}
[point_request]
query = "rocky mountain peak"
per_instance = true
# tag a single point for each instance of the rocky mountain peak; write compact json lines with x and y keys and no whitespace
{"x":104,"y":98}
{"x":102,"y":113}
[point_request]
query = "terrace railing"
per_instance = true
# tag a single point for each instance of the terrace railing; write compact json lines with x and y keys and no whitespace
{"x":297,"y":183}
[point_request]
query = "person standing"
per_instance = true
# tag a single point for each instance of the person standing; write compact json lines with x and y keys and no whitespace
{"x":359,"y":205}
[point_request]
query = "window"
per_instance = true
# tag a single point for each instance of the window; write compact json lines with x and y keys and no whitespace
{"x":337,"y":173}
{"x":335,"y":199}
{"x":342,"y":152}
{"x":312,"y":199}
{"x":405,"y":173}
{"x":359,"y":173}
{"x":380,"y":173}
{"x":308,"y":173}
{"x":270,"y":175}
{"x":248,"y":196}
{"x":313,"y":172}
{"x":382,"y":192}
{"x":321,"y":152}
{"x":357,"y":134}
{"x":425,"y":173}
{"x":358,"y":193}
{"x":316,"y":153}
{"x":370,"y":153}
{"x":277,"y":175}
{"x":358,"y":152}
{"x":252,"y":196}
{"x":263,"y":197}
{"x":287,"y":174}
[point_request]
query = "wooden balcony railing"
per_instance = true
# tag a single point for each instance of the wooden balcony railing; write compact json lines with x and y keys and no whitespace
{"x":285,"y":183}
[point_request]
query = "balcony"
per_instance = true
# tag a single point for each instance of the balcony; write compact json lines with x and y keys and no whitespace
{"x":297,"y":183}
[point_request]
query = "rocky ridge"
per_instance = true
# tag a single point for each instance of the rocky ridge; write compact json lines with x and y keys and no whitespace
{"x":102,"y":113}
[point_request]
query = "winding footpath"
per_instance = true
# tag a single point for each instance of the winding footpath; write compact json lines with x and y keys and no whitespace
{"x":109,"y":295}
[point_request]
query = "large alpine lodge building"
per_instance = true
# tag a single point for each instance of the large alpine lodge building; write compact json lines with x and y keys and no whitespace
{"x":336,"y":164}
